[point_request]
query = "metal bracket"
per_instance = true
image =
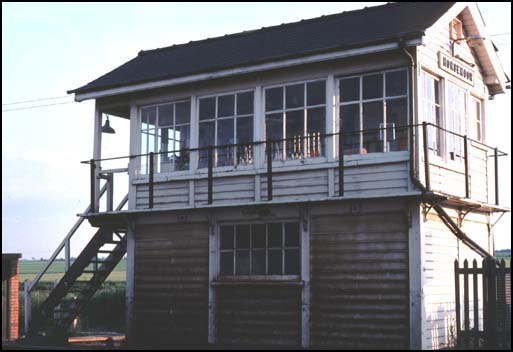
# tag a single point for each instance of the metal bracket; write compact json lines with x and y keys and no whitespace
{"x":462,"y":213}
{"x":495,"y":223}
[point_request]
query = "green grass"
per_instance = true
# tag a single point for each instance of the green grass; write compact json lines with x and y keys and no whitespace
{"x":30,"y":268}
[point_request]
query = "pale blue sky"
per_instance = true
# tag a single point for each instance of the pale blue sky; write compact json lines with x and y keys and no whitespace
{"x":50,"y":48}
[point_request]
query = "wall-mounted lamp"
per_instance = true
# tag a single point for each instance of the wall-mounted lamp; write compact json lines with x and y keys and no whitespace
{"x":106,"y":128}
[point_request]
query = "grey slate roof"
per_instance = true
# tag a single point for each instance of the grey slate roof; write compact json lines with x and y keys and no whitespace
{"x":323,"y":34}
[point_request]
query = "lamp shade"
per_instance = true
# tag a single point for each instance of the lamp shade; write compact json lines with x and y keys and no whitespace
{"x":106,"y":128}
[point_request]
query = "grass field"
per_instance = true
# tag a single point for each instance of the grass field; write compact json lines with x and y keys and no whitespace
{"x":30,"y":268}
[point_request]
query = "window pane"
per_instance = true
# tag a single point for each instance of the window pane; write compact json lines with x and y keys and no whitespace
{"x":258,"y":236}
{"x":183,"y":112}
{"x":165,"y":115}
{"x":226,"y":263}
{"x":292,"y":234}
{"x":166,"y":145}
{"x":274,"y":126}
{"x":395,"y":83}
{"x":316,"y":93}
{"x":274,"y":99}
{"x":295,"y":123}
{"x":372,"y":120}
{"x":316,"y":122}
{"x":244,"y":129}
{"x":245,"y":103}
{"x":397,"y":138}
{"x":295,"y":96}
{"x":292,"y":262}
{"x":242,"y":262}
{"x":182,"y":142}
{"x":258,"y":262}
{"x":275,"y":262}
{"x":373,"y":86}
{"x":349,"y":89}
{"x":206,"y":137}
{"x":225,"y":135}
{"x":242,"y":239}
{"x":275,"y":235}
{"x":350,"y":115}
{"x":207,"y":108}
{"x":148,"y":117}
{"x":226,"y":237}
{"x":226,"y":105}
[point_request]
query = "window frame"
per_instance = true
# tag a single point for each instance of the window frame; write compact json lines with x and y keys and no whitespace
{"x":300,"y":161}
{"x":383,"y":99}
{"x":283,"y":248}
{"x":457,"y":163}
{"x":216,"y":119}
{"x":441,"y":106}
{"x":158,"y":162}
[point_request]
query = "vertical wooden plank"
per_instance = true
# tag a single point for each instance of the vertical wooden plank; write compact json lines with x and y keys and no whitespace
{"x":305,"y":277}
{"x":466,"y":321}
{"x":501,"y":302}
{"x":134,"y":165}
{"x":150,"y":186}
{"x":210,"y":175}
{"x":426,"y":155}
{"x":467,"y":176}
{"x":258,"y":128}
{"x":193,"y":163}
{"x":476,"y":304}
{"x":496,"y":159}
{"x":269,"y":146}
{"x":130,"y":282}
{"x":330,"y":117}
{"x":28,"y":304}
{"x":485,"y":301}
{"x":340,"y":162}
{"x":458,"y":308}
{"x":416,"y":275}
{"x":212,"y":274}
{"x":97,"y":154}
{"x":93,"y":208}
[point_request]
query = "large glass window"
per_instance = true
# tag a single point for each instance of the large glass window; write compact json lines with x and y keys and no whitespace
{"x":431,"y":110}
{"x":224,"y":120}
{"x":165,"y":129}
{"x":374,"y":111}
{"x":260,"y":249}
{"x":295,"y":117}
{"x":456,"y":111}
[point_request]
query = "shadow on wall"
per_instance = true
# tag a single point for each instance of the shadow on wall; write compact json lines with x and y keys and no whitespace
{"x":443,"y":327}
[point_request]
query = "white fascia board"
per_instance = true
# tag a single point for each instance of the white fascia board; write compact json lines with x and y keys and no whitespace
{"x":243,"y":70}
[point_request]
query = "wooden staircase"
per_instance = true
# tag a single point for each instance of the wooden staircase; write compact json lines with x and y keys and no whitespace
{"x":73,"y":291}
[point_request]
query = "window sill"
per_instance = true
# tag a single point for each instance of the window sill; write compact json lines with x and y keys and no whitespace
{"x":252,"y":282}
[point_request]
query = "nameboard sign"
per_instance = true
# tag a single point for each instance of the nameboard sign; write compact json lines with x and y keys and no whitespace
{"x":456,"y":68}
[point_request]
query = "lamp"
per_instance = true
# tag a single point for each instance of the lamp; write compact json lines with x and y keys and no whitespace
{"x":106,"y":128}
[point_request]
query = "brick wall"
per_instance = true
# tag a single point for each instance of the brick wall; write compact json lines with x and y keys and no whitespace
{"x":14,"y":301}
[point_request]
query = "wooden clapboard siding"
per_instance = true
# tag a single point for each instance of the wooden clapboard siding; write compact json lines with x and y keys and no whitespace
{"x":239,"y":189}
{"x":359,"y":281}
{"x":258,"y":316}
{"x":300,"y":184}
{"x":380,"y":179}
{"x":478,"y":170}
{"x":171,"y":194}
{"x":171,"y":283}
{"x":440,"y":250}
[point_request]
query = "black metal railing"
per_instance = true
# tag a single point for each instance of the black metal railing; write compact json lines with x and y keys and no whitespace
{"x":300,"y":148}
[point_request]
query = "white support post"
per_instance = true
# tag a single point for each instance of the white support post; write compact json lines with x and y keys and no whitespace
{"x":305,"y":277}
{"x":330,"y":117}
{"x":130,"y":277}
{"x":28,"y":305}
{"x":134,"y":165}
{"x":97,"y":153}
{"x":212,"y":274}
{"x":416,"y":302}
{"x":194,"y":139}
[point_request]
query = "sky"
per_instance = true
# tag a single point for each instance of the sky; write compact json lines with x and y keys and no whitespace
{"x":49,"y":48}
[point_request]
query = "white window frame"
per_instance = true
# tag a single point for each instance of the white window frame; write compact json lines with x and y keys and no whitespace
{"x":156,"y":144}
{"x":249,"y":166}
{"x":464,"y":121}
{"x":383,"y":99}
{"x":477,"y":122}
{"x":251,"y":277}
{"x":309,"y":160}
{"x":441,"y":97}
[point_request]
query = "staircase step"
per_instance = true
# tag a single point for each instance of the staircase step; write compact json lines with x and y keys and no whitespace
{"x":105,"y":251}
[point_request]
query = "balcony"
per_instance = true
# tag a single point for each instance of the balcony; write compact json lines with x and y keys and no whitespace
{"x":374,"y":163}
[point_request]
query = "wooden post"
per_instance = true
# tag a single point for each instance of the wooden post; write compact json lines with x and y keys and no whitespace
{"x":457,"y":291}
{"x":28,"y":305}
{"x":110,"y":192}
{"x":67,"y":250}
{"x":496,"y":158}
{"x":491,"y":330}
{"x":210,"y":175}
{"x":465,"y":151}
{"x":269,"y":170}
{"x":426,"y":155}
{"x":340,"y":162}
{"x":466,"y":322}
{"x":476,"y":305}
{"x":150,"y":185}
{"x":93,"y":187}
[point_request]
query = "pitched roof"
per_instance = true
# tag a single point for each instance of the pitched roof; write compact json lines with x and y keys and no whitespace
{"x":322,"y":34}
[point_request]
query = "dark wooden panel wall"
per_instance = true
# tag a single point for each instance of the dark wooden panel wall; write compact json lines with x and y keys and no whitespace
{"x":359,"y":281}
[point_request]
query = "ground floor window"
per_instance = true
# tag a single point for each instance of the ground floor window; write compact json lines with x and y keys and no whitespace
{"x":259,"y":249}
